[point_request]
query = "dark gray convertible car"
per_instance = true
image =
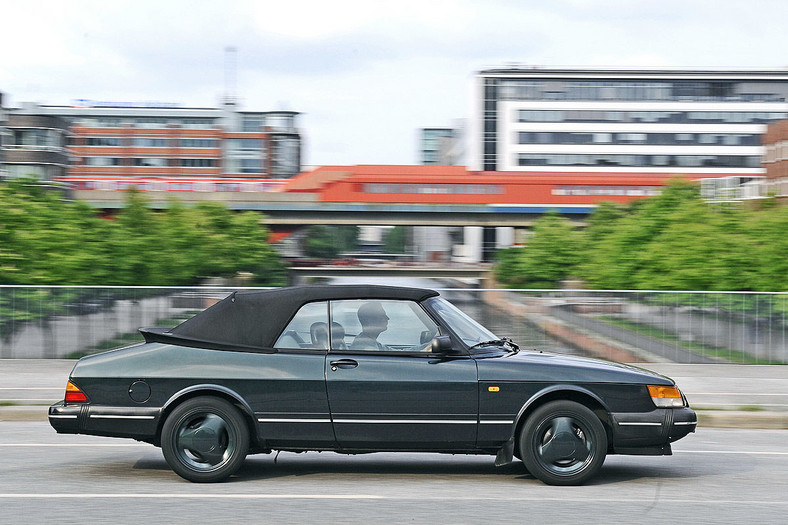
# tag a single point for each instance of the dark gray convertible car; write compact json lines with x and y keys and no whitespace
{"x":356,"y":369}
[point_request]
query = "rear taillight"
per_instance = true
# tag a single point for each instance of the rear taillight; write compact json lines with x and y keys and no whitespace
{"x":74,"y":394}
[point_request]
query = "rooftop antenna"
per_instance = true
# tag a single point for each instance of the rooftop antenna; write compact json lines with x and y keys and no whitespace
{"x":230,"y":70}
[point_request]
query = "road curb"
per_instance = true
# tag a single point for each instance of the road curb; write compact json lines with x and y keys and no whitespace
{"x":24,"y":413}
{"x":742,"y":419}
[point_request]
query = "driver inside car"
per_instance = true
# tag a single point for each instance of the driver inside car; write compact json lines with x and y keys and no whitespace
{"x":374,"y":321}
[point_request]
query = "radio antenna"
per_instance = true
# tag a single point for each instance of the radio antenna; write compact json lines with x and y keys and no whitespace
{"x":230,"y":70}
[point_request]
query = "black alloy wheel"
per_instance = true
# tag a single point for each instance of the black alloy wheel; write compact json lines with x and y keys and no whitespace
{"x":205,"y":439}
{"x":563,"y":443}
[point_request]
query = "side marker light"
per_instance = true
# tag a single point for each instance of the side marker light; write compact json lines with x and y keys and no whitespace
{"x":666,"y":396}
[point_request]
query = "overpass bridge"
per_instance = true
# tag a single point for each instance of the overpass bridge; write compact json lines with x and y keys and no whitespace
{"x":299,"y":212}
{"x":391,"y":195}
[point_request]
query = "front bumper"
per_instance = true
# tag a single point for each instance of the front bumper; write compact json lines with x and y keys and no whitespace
{"x":652,"y":432}
{"x":84,"y":418}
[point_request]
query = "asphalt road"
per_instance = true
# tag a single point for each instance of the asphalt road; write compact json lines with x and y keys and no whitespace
{"x":714,"y":476}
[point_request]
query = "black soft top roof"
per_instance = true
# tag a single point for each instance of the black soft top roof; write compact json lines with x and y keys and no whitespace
{"x":253,"y":319}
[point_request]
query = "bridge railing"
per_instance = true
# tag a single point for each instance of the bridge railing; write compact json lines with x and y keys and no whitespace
{"x":623,"y":325}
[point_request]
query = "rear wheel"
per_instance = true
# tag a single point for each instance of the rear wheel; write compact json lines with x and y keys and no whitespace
{"x":205,"y":439}
{"x":563,"y":443}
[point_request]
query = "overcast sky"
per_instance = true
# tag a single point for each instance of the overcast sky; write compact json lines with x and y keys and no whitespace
{"x":365,"y":74}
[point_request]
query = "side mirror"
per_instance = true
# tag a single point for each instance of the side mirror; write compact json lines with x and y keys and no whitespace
{"x":441,"y":344}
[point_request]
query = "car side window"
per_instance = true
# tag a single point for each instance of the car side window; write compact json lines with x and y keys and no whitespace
{"x":380,"y":325}
{"x":308,"y":329}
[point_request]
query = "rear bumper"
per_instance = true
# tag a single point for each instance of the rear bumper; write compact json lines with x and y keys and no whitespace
{"x":131,"y":422}
{"x":651,"y":432}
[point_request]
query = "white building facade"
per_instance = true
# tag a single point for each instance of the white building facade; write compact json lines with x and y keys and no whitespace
{"x":624,"y":121}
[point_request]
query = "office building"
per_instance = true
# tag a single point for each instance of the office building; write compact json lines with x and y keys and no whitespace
{"x":3,"y":133}
{"x":165,"y":140}
{"x":775,"y":142}
{"x":32,"y":145}
{"x":622,"y":121}
{"x":437,"y":146}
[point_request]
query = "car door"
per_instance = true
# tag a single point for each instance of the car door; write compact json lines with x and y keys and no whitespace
{"x":386,"y":390}
{"x":291,"y":405}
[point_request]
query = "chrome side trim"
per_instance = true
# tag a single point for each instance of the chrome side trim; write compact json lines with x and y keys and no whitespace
{"x":685,"y":423}
{"x":406,"y":421}
{"x":290,"y":420}
{"x":112,"y":416}
{"x":379,"y":421}
{"x":55,"y":416}
{"x":497,"y":422}
{"x":638,"y":424}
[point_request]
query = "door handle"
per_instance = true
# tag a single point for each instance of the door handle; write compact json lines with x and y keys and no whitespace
{"x":343,"y":363}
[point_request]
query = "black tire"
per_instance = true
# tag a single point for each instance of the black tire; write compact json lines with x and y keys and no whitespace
{"x":563,"y":443}
{"x":205,"y":439}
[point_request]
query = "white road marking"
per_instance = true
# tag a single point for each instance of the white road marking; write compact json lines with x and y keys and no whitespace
{"x":47,"y":445}
{"x":740,"y":403}
{"x":28,"y":400}
{"x":732,"y":394}
{"x":734,"y":452}
{"x":58,"y":388}
{"x":519,"y":496}
{"x":186,"y":496}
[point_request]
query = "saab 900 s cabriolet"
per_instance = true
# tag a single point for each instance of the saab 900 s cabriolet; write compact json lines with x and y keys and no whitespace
{"x":356,"y":369}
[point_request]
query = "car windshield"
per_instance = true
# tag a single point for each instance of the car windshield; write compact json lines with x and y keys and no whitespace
{"x":466,"y":328}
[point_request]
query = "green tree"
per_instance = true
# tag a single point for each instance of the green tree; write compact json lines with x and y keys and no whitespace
{"x":319,"y":243}
{"x":767,"y":228}
{"x":550,"y":255}
{"x":613,"y":255}
{"x":394,"y":239}
{"x":701,"y":248}
{"x":46,"y":240}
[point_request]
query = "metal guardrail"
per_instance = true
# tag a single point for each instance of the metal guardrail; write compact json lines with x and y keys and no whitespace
{"x":644,"y":325}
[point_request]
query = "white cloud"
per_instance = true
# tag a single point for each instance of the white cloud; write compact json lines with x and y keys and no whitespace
{"x":366,"y":74}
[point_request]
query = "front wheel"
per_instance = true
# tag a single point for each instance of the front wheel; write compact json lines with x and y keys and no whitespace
{"x":205,"y":439}
{"x":563,"y":443}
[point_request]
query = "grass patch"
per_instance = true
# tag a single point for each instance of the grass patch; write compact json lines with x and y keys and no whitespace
{"x":8,"y":403}
{"x":734,"y":356}
{"x":745,"y":408}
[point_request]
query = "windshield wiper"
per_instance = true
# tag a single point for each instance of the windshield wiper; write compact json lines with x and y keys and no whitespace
{"x":503,"y":341}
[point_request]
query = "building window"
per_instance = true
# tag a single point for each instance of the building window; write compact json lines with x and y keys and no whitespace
{"x":689,"y":161}
{"x":527,"y":115}
{"x":102,"y":161}
{"x":102,"y":141}
{"x":251,"y":165}
{"x":664,"y":139}
{"x":198,"y":163}
{"x":435,"y":189}
{"x":150,"y":162}
{"x":671,"y":90}
{"x":151,"y":122}
{"x":245,"y":144}
{"x":197,"y":123}
{"x":145,"y":142}
{"x":198,"y":143}
{"x":45,"y":138}
{"x":252,"y":124}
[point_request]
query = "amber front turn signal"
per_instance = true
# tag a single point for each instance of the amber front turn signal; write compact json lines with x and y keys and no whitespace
{"x":666,"y":396}
{"x":74,"y":394}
